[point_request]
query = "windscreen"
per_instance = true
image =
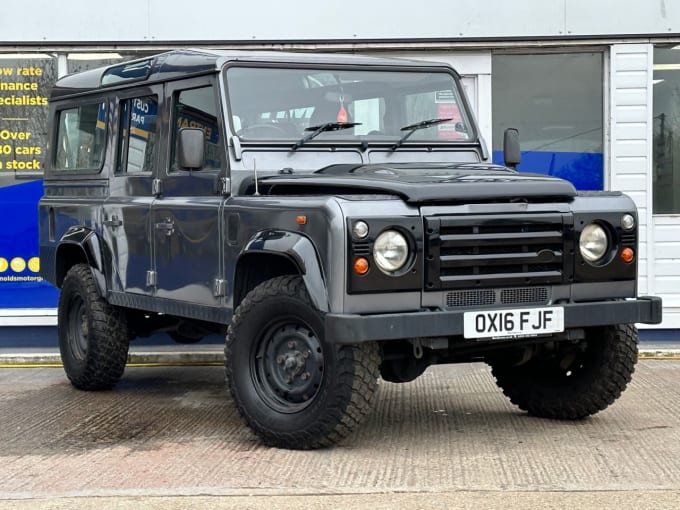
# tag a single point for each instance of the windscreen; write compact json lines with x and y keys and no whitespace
{"x":284,"y":104}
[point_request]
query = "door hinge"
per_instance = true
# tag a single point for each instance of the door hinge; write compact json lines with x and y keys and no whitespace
{"x":151,"y":278}
{"x":225,"y":185}
{"x":219,"y":287}
{"x":156,"y":187}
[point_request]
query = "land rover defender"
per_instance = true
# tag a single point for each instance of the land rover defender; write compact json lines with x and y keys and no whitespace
{"x":338,"y":219}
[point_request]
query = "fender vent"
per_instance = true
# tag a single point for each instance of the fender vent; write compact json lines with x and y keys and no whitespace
{"x":361,"y":249}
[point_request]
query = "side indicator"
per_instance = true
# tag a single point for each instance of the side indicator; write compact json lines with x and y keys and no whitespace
{"x":361,"y":266}
{"x":627,"y":255}
{"x":301,"y":220}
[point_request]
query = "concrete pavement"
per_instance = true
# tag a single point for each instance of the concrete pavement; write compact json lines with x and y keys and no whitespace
{"x":207,"y":354}
{"x":168,"y":437}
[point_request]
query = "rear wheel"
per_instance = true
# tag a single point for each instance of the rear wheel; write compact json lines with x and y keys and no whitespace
{"x":572,"y":381}
{"x":93,"y":335}
{"x":292,"y":387}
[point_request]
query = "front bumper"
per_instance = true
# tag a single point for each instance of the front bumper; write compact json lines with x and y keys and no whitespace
{"x":352,"y":328}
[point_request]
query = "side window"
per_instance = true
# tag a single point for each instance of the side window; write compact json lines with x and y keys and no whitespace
{"x":197,"y":108}
{"x":138,"y":134}
{"x":81,"y":138}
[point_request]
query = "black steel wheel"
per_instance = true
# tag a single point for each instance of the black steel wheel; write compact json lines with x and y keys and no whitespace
{"x":93,"y":335}
{"x":291,"y":387}
{"x":287,"y":365}
{"x":572,"y":381}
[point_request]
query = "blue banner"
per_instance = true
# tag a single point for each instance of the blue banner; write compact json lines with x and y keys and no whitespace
{"x":21,"y":285}
{"x":585,"y":170}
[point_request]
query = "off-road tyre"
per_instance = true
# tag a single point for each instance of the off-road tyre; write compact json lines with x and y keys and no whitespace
{"x":589,"y":383}
{"x":291,"y":387}
{"x":93,"y":335}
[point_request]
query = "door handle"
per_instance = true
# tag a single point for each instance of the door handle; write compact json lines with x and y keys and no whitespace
{"x":167,"y":226}
{"x":113,"y":222}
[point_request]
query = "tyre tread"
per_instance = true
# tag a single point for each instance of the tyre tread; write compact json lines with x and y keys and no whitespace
{"x":107,"y":350}
{"x":354,"y":391}
{"x":616,"y":366}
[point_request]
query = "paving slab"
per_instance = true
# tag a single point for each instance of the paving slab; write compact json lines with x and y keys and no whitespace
{"x":169,"y":433}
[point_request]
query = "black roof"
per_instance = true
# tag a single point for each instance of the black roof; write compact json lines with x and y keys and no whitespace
{"x":186,"y":62}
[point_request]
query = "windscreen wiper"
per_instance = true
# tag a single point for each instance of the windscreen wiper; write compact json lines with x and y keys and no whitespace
{"x":412,"y":128}
{"x":317,"y":130}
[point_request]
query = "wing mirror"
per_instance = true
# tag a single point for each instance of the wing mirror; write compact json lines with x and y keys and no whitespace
{"x":191,"y":148}
{"x":511,"y":152}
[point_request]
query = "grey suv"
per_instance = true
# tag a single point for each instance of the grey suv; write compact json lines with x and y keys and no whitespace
{"x":338,"y":219}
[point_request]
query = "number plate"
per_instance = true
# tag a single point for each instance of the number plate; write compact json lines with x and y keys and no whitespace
{"x":513,"y":323}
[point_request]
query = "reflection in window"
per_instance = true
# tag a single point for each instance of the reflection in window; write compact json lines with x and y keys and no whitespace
{"x":555,"y":101}
{"x":197,"y":108}
{"x":383,"y":102}
{"x":79,"y":62}
{"x":35,"y":74}
{"x":666,"y":149}
{"x":138,"y":134}
{"x":81,"y":138}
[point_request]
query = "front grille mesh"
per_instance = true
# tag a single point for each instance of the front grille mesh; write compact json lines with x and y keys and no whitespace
{"x":489,"y":297}
{"x":463,"y":298}
{"x":525,"y":295}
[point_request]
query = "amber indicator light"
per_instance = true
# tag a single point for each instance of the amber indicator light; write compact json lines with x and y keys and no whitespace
{"x":301,"y":220}
{"x":627,"y":255}
{"x":361,"y":266}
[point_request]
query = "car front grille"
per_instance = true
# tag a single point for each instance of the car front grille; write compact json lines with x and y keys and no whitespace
{"x":495,"y":250}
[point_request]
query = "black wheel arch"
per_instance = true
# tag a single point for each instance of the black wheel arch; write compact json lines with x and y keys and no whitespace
{"x":81,"y":245}
{"x":272,"y":253}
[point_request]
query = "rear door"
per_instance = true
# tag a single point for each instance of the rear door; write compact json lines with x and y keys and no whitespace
{"x":126,"y":217}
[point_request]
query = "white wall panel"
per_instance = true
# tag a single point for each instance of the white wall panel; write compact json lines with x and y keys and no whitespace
{"x":630,"y":152}
{"x":631,"y":79}
{"x":348,"y":20}
{"x":627,"y":182}
{"x":646,"y":17}
{"x":668,"y":250}
{"x":630,"y":165}
{"x":631,"y":113}
{"x":632,"y":131}
{"x":630,"y":97}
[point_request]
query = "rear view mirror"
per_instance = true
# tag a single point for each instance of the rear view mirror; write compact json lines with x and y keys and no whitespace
{"x":511,"y":152}
{"x":190,"y":148}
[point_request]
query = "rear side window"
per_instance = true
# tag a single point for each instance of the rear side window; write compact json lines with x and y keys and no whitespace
{"x":81,"y":138}
{"x":138,"y":134}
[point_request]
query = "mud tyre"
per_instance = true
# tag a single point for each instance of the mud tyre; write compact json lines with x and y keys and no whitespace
{"x":576,"y":381}
{"x":291,"y":387}
{"x":93,"y":335}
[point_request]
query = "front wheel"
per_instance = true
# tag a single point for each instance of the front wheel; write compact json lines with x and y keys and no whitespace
{"x":292,"y":387}
{"x":572,"y":381}
{"x":93,"y":335}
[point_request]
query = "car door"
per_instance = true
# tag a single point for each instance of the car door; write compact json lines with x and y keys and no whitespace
{"x":126,"y":212}
{"x":186,"y":213}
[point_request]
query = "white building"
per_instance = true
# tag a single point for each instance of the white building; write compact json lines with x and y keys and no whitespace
{"x":593,"y":86}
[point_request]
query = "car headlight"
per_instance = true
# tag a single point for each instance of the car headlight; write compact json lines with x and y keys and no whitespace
{"x":594,"y":242}
{"x":390,"y":251}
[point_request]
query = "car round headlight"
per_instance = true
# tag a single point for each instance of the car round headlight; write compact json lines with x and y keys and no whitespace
{"x":593,"y":242}
{"x":390,"y":251}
